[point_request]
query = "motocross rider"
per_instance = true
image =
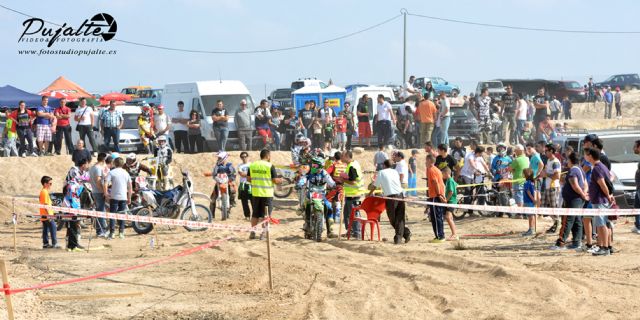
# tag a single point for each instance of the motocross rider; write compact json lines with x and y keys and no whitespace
{"x":222,"y":166}
{"x":164,"y":154}
{"x":133,"y":168}
{"x":336,"y":195}
{"x":145,"y":126}
{"x":318,"y":177}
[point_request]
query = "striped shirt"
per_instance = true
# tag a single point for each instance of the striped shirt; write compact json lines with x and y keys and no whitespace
{"x":111,"y":119}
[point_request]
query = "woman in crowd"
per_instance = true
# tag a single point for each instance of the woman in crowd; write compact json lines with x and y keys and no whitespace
{"x":195,"y":135}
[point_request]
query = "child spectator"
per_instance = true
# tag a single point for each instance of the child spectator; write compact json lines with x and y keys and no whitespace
{"x":526,"y":134}
{"x":11,"y":136}
{"x":316,"y":128}
{"x":341,"y":131}
{"x":413,"y":170}
{"x":48,"y":224}
{"x":379,"y":158}
{"x":451,"y":195}
{"x":531,"y":196}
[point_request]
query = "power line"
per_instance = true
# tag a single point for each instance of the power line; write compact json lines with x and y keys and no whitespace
{"x":233,"y":51}
{"x":520,"y":28}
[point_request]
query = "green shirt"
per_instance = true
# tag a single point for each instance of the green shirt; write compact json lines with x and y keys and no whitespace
{"x":450,"y":186}
{"x":518,"y":165}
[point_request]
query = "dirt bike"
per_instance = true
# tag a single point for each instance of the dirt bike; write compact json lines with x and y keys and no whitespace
{"x":177,"y":203}
{"x":315,"y":218}
{"x":222,"y":184}
{"x":284,"y":189}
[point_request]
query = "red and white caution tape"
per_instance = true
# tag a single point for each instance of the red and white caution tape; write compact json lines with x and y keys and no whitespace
{"x":146,"y":219}
{"x":524,"y":210}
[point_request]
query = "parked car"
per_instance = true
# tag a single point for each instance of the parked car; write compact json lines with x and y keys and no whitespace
{"x":308,"y":82}
{"x":572,"y":89}
{"x":282,"y":97}
{"x":439,"y":84}
{"x":201,"y":96}
{"x":463,"y":125}
{"x":148,"y":96}
{"x":133,"y":90}
{"x":624,"y":81}
{"x":495,"y":87}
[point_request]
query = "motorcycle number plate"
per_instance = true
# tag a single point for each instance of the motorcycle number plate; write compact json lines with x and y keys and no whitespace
{"x":316,"y":195}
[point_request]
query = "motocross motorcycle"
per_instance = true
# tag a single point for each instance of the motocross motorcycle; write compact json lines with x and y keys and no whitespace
{"x":177,"y":203}
{"x":222,"y":186}
{"x":315,"y":213}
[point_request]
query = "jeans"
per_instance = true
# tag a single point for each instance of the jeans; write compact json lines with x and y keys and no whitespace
{"x":385,"y":132}
{"x":49,"y":228}
{"x":350,"y":202}
{"x":66,"y":132}
{"x":636,"y":204}
{"x":10,"y":147}
{"x":349,"y":140}
{"x":101,"y":223}
{"x":87,"y":131}
{"x":572,"y":224}
{"x":436,"y":214}
{"x":435,"y":136}
{"x":221,"y":134}
{"x":245,"y":198}
{"x":245,"y":139}
{"x":443,"y":133}
{"x":25,"y":136}
{"x":276,"y":139}
{"x":509,"y":127}
{"x":117,"y":206}
{"x":607,"y":110}
{"x":111,"y":134}
{"x":554,"y":115}
{"x":618,"y":109}
{"x":182,"y":141}
{"x":72,"y":234}
{"x":567,"y":113}
{"x":196,"y":143}
{"x":485,"y":130}
{"x":397,"y":216}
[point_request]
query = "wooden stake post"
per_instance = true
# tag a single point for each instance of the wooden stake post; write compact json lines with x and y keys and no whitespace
{"x":14,"y":220}
{"x":269,"y":249}
{"x":5,"y":285}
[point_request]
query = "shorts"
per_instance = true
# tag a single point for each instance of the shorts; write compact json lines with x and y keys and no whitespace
{"x":600,"y":220}
{"x":529,"y":205}
{"x":328,"y":136}
{"x":364,"y":129}
{"x":550,"y":198}
{"x":43,"y":132}
{"x":518,"y":194}
{"x":341,"y":137}
{"x":259,"y":204}
{"x":264,"y":132}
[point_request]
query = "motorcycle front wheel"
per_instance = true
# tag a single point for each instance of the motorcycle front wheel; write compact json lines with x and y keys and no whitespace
{"x":284,"y":189}
{"x":318,"y":224}
{"x":142,"y":227}
{"x":202,"y":213}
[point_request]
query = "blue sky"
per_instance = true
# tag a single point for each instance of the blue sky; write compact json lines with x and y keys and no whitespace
{"x":459,"y":53}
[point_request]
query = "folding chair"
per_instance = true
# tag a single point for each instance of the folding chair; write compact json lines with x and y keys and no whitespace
{"x":373,"y":207}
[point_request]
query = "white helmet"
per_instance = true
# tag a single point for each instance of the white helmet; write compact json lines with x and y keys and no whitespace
{"x":162,"y":138}
{"x":222,"y":156}
{"x":504,"y":148}
{"x":131,"y":156}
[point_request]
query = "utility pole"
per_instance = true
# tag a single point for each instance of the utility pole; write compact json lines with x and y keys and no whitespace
{"x":404,"y":46}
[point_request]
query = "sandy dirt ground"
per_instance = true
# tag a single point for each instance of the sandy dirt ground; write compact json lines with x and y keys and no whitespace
{"x":508,"y":277}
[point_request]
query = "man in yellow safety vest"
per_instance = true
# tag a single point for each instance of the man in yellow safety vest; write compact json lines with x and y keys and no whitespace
{"x":262,"y":175}
{"x":353,"y":189}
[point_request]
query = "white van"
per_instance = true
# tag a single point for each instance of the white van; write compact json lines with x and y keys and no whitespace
{"x":354,"y":95}
{"x":202,"y":97}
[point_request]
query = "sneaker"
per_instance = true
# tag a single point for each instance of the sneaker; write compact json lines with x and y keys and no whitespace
{"x":33,"y":154}
{"x":601,"y":252}
{"x":574,"y":246}
{"x":76,"y":249}
{"x":121,"y":235}
{"x":436,"y":240}
{"x":81,"y":247}
{"x":24,"y":155}
{"x":263,"y":235}
{"x":557,"y":247}
{"x":635,"y":230}
{"x":396,"y":240}
{"x":111,"y":236}
{"x":528,"y":233}
{"x":553,"y":229}
{"x":331,"y":221}
{"x":46,"y":246}
{"x":56,"y":246}
{"x":593,"y":249}
{"x":611,"y":250}
{"x":102,"y":235}
{"x":95,"y":154}
{"x":407,"y":237}
{"x":252,"y":235}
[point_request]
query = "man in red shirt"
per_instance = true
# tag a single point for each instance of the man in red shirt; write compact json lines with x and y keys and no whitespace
{"x":63,"y":114}
{"x":436,"y":194}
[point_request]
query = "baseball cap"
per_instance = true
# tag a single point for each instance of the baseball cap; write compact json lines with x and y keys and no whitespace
{"x":161,"y":107}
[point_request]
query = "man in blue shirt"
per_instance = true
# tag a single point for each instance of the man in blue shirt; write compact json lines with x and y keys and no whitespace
{"x":608,"y":100}
{"x":43,"y":125}
{"x":500,"y":171}
{"x":111,"y":122}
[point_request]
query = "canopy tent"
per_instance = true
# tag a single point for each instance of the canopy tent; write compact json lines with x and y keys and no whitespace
{"x":10,"y":96}
{"x":336,"y":96}
{"x":64,"y":85}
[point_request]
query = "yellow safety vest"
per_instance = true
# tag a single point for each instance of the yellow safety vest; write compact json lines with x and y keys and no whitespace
{"x":261,"y":183}
{"x":354,"y":189}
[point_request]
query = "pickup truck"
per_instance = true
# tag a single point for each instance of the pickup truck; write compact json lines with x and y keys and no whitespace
{"x":439,"y":84}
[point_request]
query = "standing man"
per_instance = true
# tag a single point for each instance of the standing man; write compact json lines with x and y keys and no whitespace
{"x":353,"y":189}
{"x":389,"y":181}
{"x":263,"y":122}
{"x":608,"y":101}
{"x":517,"y":167}
{"x":262,"y":176}
{"x":444,"y":118}
{"x":426,"y":115}
{"x":96,"y":178}
{"x":508,"y":114}
{"x":600,"y":198}
{"x":541,"y":105}
{"x":618,"y":101}
{"x":63,"y":114}
{"x":84,"y":118}
{"x":162,"y":123}
{"x":111,"y":122}
{"x":408,"y":90}
{"x":179,"y":122}
{"x":364,"y":127}
{"x":327,"y":115}
{"x":44,"y":117}
{"x":305,"y":116}
{"x":119,"y":196}
{"x":554,"y":107}
{"x":484,"y":116}
{"x":436,"y":194}
{"x":401,"y":168}
{"x":242,"y":119}
{"x":351,"y":125}
{"x":220,"y":130}
{"x":385,"y":117}
{"x":566,"y":107}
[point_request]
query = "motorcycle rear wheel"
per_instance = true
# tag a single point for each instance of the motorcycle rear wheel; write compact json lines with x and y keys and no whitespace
{"x":143,"y":227}
{"x":281,"y":192}
{"x":202,"y":214}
